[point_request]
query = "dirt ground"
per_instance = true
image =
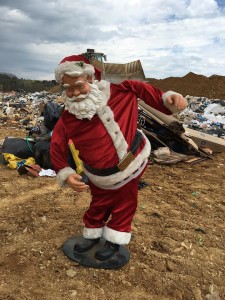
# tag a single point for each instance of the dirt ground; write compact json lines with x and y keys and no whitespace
{"x":177,"y":250}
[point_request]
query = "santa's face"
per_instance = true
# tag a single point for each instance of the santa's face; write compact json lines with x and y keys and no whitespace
{"x":76,"y":87}
{"x":81,"y":98}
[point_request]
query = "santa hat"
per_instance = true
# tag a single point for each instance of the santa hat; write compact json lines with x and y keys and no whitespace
{"x":76,"y":65}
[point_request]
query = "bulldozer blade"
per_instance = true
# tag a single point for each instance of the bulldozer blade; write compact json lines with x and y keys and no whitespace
{"x":116,"y":73}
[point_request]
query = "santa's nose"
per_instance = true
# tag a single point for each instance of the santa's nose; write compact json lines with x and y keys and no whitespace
{"x":76,"y":92}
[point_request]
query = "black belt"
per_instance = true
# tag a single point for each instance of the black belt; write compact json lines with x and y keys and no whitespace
{"x":124,"y":163}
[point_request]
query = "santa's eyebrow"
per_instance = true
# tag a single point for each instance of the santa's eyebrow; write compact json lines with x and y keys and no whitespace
{"x":76,"y":83}
{"x":66,"y":85}
{"x":79,"y":82}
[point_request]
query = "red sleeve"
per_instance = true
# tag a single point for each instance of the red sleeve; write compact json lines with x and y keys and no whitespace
{"x":148,"y":93}
{"x":59,"y":147}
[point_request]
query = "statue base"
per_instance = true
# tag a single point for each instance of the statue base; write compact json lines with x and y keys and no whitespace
{"x":119,"y":259}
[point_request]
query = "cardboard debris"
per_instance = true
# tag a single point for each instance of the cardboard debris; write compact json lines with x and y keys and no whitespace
{"x":149,"y":116}
{"x":172,"y":125}
{"x":206,"y":140}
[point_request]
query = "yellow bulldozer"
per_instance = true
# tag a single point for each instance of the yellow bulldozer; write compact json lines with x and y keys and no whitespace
{"x":114,"y":72}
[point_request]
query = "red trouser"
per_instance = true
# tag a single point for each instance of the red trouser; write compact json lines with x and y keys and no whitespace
{"x":121,"y":204}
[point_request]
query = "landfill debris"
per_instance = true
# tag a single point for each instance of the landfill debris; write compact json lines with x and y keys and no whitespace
{"x":200,"y":230}
{"x":142,"y":184}
{"x":195,"y":194}
{"x":205,"y":115}
{"x":200,"y":240}
{"x":24,"y":110}
{"x":48,"y":172}
{"x":202,"y":117}
{"x":162,"y":152}
{"x":210,"y":143}
{"x":13,"y":161}
{"x":166,"y":131}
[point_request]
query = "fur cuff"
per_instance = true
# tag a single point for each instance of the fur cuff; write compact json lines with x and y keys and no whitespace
{"x":171,"y":107}
{"x":92,"y":233}
{"x":116,"y":237}
{"x":63,"y":175}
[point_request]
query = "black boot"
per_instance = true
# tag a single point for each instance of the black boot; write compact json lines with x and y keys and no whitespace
{"x":107,"y":251}
{"x":84,"y":245}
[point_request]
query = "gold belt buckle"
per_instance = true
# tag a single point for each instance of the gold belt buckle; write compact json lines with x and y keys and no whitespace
{"x":124,"y":163}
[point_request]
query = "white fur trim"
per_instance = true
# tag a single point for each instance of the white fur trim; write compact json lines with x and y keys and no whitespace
{"x":171,"y":107}
{"x":107,"y":117}
{"x":63,"y":175}
{"x":104,"y":87}
{"x":118,"y":179}
{"x":116,"y":237}
{"x":92,"y":233}
{"x":72,"y":68}
{"x":132,"y":176}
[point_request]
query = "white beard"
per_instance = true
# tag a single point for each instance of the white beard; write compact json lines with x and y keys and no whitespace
{"x":86,"y":108}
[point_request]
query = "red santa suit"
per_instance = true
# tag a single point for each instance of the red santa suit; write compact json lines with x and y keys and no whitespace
{"x":103,"y":142}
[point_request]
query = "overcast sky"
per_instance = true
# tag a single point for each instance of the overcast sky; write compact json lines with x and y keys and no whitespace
{"x":170,"y":37}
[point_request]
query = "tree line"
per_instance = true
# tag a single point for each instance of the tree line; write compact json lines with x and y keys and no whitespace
{"x":9,"y":82}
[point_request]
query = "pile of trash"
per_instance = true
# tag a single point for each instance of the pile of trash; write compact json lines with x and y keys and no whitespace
{"x":205,"y":115}
{"x":173,"y":138}
{"x":37,"y":114}
{"x":24,"y":110}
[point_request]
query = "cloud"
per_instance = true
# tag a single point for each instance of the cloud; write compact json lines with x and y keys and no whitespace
{"x":170,"y":37}
{"x":202,"y":8}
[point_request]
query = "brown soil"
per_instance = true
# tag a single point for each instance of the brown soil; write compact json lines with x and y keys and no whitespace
{"x":177,"y":250}
{"x":193,"y":84}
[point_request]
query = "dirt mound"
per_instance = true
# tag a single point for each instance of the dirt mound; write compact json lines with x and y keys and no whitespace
{"x":193,"y":84}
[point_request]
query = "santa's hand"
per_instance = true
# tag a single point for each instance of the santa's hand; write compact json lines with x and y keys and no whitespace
{"x":177,"y":100}
{"x":74,"y":181}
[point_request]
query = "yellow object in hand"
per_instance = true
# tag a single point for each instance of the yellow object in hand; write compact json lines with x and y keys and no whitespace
{"x":75,"y":154}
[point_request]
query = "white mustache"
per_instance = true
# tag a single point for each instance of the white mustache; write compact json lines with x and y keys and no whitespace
{"x":85,"y":108}
{"x":82,"y":96}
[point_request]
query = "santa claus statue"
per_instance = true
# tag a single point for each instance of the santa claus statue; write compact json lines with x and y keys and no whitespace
{"x":101,"y":119}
